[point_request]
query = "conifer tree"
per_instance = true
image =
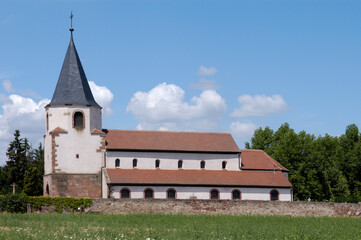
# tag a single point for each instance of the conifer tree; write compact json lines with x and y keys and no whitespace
{"x":17,"y":160}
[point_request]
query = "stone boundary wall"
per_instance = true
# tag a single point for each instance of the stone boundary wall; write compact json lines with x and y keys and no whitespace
{"x":225,"y":207}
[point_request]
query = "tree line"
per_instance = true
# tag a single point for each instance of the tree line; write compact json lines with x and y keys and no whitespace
{"x":323,"y":168}
{"x":24,"y":168}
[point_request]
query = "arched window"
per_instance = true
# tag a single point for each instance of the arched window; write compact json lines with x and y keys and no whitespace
{"x":148,"y":193}
{"x":135,"y":163}
{"x":171,"y":193}
{"x":224,"y":164}
{"x":236,"y":194}
{"x":180,"y":164}
{"x":157,"y":163}
{"x":47,"y":189}
{"x":78,"y":120}
{"x":117,"y":163}
{"x":214,"y":194}
{"x":274,"y":195}
{"x":125,"y":193}
{"x":203,"y":164}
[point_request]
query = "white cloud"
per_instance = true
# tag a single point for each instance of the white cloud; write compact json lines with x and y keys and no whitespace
{"x":259,"y":106}
{"x":103,"y":96}
{"x":8,"y":86}
{"x":204,"y":84}
{"x":164,"y":108}
{"x":242,"y":130}
{"x":207,"y":71}
{"x":19,"y":106}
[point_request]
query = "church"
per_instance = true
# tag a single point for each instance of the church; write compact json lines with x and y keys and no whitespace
{"x":82,"y":159}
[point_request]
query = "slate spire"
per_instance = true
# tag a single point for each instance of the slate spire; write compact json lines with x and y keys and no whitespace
{"x":72,"y":86}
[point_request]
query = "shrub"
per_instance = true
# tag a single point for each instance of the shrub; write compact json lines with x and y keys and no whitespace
{"x":61,"y":203}
{"x":16,"y":203}
{"x":13,"y":203}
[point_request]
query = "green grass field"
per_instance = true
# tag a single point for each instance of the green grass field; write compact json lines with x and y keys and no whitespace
{"x":156,"y":226}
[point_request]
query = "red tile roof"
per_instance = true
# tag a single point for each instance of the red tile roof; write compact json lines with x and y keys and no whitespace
{"x":198,"y":177}
{"x":169,"y":141}
{"x":97,"y":131}
{"x":58,"y":130}
{"x":259,"y":160}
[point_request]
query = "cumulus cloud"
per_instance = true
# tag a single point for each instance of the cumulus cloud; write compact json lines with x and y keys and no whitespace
{"x":259,"y":106}
{"x":103,"y":96}
{"x":204,"y":84}
{"x":207,"y":71}
{"x":242,"y":129}
{"x":164,"y":108}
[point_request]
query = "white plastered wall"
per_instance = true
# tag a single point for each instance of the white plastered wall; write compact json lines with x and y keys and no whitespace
{"x":169,"y":160}
{"x":160,"y":192}
{"x":77,"y":149}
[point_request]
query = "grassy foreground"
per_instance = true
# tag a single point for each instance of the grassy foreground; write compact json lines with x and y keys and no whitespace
{"x":156,"y":226}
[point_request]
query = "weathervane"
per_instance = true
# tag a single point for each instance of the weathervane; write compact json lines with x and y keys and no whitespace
{"x":71,"y":29}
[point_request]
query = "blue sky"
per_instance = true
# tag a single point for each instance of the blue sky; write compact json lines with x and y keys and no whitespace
{"x":224,"y":66}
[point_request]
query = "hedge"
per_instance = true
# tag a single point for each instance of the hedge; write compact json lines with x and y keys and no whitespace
{"x":17,"y":203}
{"x":349,"y":199}
{"x":14,"y":203}
{"x":61,"y":203}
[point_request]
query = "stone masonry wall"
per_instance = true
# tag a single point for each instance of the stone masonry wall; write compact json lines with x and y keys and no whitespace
{"x":75,"y":185}
{"x":228,"y":207}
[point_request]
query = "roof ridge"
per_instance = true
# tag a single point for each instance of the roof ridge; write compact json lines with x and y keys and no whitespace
{"x":185,"y":170}
{"x":160,"y":131}
{"x":254,"y":150}
{"x":275,"y":162}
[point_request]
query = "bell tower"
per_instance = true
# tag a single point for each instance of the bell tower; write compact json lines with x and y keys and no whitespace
{"x":73,"y":143}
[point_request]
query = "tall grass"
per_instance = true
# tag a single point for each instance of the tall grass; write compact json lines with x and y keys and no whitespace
{"x":157,"y":226}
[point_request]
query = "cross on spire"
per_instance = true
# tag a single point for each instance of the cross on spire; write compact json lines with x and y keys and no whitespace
{"x":71,"y":29}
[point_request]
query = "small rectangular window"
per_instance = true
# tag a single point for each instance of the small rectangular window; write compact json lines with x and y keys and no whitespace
{"x":224,"y":165}
{"x":117,"y":163}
